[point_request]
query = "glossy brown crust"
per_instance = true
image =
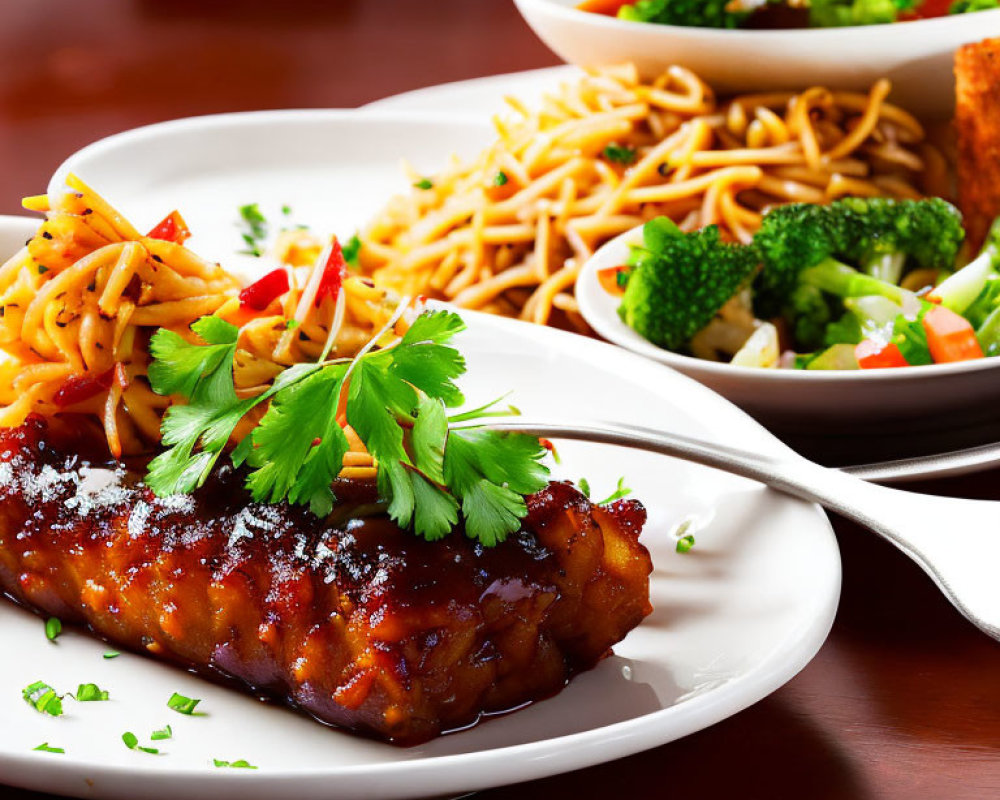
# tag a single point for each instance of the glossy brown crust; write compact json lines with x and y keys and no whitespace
{"x":351,"y":619}
{"x":977,"y":123}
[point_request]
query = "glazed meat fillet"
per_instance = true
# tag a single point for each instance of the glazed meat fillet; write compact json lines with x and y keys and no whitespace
{"x":351,"y":619}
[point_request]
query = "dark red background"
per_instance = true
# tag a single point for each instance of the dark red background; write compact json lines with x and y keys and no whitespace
{"x":902,"y":702}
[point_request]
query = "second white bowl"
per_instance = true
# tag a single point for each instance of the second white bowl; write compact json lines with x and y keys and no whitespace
{"x":915,"y":56}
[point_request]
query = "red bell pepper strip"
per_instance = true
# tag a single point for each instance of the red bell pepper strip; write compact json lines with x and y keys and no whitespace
{"x":172,"y":228}
{"x":613,"y":279}
{"x":872,"y":355}
{"x":950,"y":336}
{"x":261,"y":293}
{"x":78,"y":388}
{"x":333,"y":275}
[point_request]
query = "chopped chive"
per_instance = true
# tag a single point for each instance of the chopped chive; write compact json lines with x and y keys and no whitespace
{"x":163,"y":733}
{"x":112,"y":654}
{"x":619,"y":154}
{"x":45,"y":748}
{"x":182,"y":704}
{"x":685,"y":543}
{"x":43,"y":699}
{"x":42,"y":269}
{"x":241,"y":764}
{"x":286,"y":210}
{"x":352,"y":250}
{"x":621,"y":491}
{"x":584,"y":485}
{"x":255,"y":228}
{"x":424,"y":183}
{"x":291,"y":324}
{"x":90,"y":692}
{"x":53,"y":627}
{"x":132,"y":743}
{"x":500,"y":179}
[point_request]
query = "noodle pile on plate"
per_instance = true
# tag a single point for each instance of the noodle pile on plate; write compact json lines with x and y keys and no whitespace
{"x":509,"y":231}
{"x":79,"y":303}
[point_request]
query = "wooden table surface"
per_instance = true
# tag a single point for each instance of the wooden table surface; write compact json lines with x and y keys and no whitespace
{"x":903,"y":701}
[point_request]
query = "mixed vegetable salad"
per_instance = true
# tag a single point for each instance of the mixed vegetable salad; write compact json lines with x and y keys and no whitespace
{"x":783,"y":13}
{"x":860,"y":283}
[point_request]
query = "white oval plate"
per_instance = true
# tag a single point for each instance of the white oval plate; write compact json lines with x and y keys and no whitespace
{"x":915,"y":56}
{"x":734,"y":619}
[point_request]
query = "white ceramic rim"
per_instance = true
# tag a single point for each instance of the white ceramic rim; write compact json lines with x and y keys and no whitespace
{"x":861,"y":35}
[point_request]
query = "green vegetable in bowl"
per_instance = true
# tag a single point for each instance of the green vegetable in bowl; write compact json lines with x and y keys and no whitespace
{"x":840,"y":13}
{"x":689,"y":13}
{"x":679,"y":281}
{"x":970,"y":6}
{"x":804,"y":247}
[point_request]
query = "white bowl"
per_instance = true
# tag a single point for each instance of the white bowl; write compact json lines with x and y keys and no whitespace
{"x":852,"y":401}
{"x":915,"y":56}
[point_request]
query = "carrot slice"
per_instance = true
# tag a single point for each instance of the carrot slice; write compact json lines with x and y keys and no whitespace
{"x":612,"y":279}
{"x":950,"y":336}
{"x":872,"y":355}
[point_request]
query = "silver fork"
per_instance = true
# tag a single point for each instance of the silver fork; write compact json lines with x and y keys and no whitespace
{"x":956,"y":541}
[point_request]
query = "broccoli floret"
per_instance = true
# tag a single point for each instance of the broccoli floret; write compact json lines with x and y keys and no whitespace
{"x":881,"y":236}
{"x":689,"y":13}
{"x":838,"y":13}
{"x":969,"y":6}
{"x":680,"y":281}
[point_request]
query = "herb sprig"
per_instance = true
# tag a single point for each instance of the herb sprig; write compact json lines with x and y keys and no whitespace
{"x":396,"y":400}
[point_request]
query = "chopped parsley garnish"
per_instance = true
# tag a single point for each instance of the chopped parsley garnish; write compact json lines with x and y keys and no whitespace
{"x":132,"y":743}
{"x":351,"y":251}
{"x":182,"y":704}
{"x":254,"y":229}
{"x":53,"y":627}
{"x":619,"y":154}
{"x":291,"y":324}
{"x":89,"y":692}
{"x":42,"y":269}
{"x":43,"y":699}
{"x":620,"y":492}
{"x":396,"y":401}
{"x":241,"y":764}
{"x":500,"y":179}
{"x":112,"y":654}
{"x":286,"y":210}
{"x":424,"y":183}
{"x":46,"y":748}
{"x":161,"y":734}
{"x":685,"y":543}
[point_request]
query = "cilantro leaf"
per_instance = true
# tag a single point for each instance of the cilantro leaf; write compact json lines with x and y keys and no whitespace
{"x":489,"y":472}
{"x":435,"y":512}
{"x":298,"y":446}
{"x":395,"y":399}
{"x":428,"y":439}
